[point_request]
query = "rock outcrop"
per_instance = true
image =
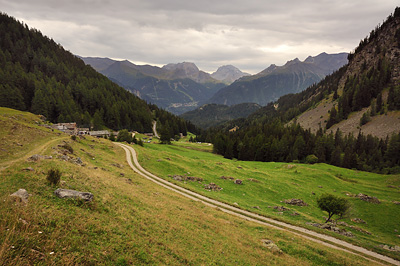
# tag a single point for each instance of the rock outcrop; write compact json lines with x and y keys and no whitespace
{"x":73,"y":194}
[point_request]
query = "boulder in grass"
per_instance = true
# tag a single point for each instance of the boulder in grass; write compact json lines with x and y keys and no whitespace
{"x":271,"y":245}
{"x":73,"y":194}
{"x":20,"y":195}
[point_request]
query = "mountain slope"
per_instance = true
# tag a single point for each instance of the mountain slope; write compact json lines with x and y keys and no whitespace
{"x":273,"y":82}
{"x":210,"y":115}
{"x":175,"y":87}
{"x":228,"y":74}
{"x":362,"y":97}
{"x":40,"y":76}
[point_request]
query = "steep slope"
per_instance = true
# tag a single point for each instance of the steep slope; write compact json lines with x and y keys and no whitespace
{"x":175,"y":87}
{"x":40,"y":76}
{"x":273,"y":82}
{"x":210,"y":115}
{"x":228,"y":74}
{"x":368,"y":89}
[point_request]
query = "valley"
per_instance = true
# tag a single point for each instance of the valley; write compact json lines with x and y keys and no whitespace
{"x":152,"y":225}
{"x":108,"y":162}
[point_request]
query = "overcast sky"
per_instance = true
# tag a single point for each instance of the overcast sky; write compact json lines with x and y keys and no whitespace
{"x":250,"y":34}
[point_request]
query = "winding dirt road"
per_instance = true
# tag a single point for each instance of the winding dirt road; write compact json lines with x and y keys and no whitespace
{"x":322,"y":239}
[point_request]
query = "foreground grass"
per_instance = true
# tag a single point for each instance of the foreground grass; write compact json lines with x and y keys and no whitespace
{"x":130,"y":222}
{"x":268,"y":184}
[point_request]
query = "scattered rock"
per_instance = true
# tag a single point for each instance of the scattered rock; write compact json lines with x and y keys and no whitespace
{"x":227,"y":177}
{"x":159,"y":160}
{"x":396,"y":202}
{"x":115,"y":164}
{"x":239,"y":167}
{"x":358,"y":220}
{"x":332,"y":227}
{"x":23,"y":221}
{"x":28,"y":169}
{"x":178,"y":178}
{"x":21,"y":195}
{"x":297,"y":202}
{"x":69,"y":193}
{"x":187,"y":178}
{"x":238,"y":182}
{"x":122,"y":174}
{"x":294,"y":214}
{"x":257,"y":207}
{"x":390,"y":248}
{"x":35,"y":158}
{"x":212,"y":187}
{"x":271,"y":245}
{"x":253,"y":180}
{"x":290,"y":166}
{"x":313,"y":193}
{"x":128,"y":180}
{"x":281,"y":208}
{"x":169,"y":159}
{"x":320,"y":186}
{"x":219,"y":163}
{"x":368,"y":198}
{"x":194,"y":178}
{"x":78,"y":161}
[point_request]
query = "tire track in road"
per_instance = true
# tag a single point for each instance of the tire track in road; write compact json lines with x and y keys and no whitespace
{"x":319,"y":238}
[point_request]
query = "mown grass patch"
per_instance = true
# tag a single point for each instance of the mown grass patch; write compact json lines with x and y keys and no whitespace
{"x":268,"y":184}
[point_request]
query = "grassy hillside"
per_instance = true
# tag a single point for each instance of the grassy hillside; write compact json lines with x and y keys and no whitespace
{"x":266,"y":185}
{"x":130,"y":222}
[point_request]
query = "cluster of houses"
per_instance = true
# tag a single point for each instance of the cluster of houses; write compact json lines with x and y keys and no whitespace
{"x":73,"y":129}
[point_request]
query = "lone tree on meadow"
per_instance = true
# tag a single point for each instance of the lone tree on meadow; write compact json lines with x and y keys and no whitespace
{"x":333,"y":205}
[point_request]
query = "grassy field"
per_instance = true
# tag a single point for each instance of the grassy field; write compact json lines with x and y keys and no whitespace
{"x":130,"y":222}
{"x":266,"y":185}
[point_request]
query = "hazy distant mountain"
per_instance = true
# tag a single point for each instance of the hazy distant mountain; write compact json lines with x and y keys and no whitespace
{"x":210,"y":115}
{"x":228,"y":74}
{"x":177,"y":88}
{"x":276,"y":81}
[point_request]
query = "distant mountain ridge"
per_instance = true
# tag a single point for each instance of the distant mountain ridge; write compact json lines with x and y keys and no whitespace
{"x":228,"y":74}
{"x":175,"y":87}
{"x":276,"y":81}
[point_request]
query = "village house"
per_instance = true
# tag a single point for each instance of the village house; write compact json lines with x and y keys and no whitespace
{"x":69,"y":128}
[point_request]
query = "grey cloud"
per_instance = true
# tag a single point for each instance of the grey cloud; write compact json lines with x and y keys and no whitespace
{"x":248,"y":34}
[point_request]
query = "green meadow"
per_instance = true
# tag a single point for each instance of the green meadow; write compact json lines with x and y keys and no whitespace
{"x":131,"y":221}
{"x":266,"y":185}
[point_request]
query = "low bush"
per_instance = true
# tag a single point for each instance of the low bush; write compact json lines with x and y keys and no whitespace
{"x":54,"y":176}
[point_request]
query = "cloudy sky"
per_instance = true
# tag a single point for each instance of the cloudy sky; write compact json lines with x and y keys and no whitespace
{"x":249,"y":34}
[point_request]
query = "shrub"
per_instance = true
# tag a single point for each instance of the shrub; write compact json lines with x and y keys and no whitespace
{"x":124,"y":135}
{"x":68,"y":148}
{"x":54,"y":176}
{"x":311,"y":159}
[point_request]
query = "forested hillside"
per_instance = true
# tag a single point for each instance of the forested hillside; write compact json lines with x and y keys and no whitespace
{"x":267,"y":136}
{"x":38,"y":75}
{"x":210,"y":115}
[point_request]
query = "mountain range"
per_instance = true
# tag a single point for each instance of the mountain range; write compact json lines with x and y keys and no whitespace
{"x":276,"y":81}
{"x":175,"y":87}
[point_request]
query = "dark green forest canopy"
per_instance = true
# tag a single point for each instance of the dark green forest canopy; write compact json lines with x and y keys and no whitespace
{"x":40,"y":76}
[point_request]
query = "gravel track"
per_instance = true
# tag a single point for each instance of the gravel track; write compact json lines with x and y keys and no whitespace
{"x":322,"y":239}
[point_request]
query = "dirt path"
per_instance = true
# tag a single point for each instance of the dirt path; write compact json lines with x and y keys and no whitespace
{"x":155,"y":129}
{"x":37,"y":150}
{"x":322,"y":239}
